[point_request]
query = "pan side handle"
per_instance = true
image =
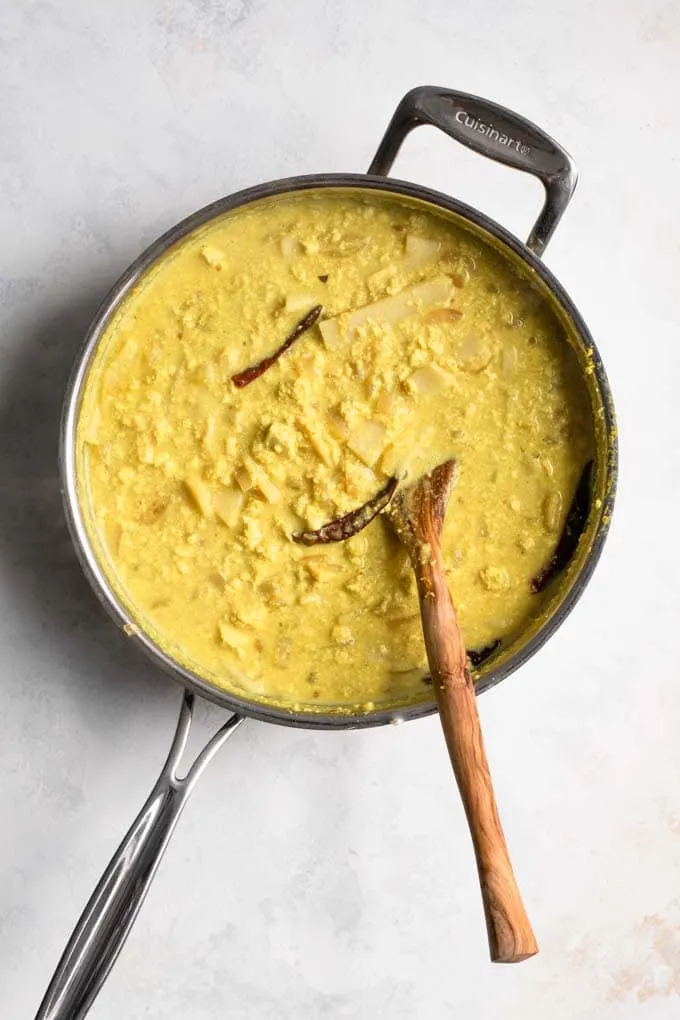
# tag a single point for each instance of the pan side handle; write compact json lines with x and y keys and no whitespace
{"x":496,"y":133}
{"x":108,"y":917}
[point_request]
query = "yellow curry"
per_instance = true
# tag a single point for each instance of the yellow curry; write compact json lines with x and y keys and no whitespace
{"x":426,"y":344}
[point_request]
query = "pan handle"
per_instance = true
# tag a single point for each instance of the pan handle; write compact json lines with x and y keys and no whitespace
{"x":493,"y":131}
{"x":108,"y":917}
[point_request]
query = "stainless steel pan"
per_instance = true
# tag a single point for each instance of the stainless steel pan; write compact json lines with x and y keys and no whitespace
{"x":500,"y":135}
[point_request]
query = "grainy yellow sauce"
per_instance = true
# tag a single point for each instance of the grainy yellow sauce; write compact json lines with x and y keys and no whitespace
{"x":430,"y":346}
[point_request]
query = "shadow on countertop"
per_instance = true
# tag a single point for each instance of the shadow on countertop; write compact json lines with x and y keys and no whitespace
{"x":50,"y":595}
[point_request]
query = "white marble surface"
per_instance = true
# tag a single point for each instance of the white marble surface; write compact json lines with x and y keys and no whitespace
{"x":331,"y":875}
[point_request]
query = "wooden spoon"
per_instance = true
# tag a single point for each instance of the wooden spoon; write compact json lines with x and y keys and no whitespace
{"x":417,"y":514}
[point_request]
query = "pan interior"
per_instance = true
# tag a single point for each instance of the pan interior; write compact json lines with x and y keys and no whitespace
{"x":237,"y":675}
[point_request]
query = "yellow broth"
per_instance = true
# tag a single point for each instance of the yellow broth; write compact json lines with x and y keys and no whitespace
{"x":430,"y":345}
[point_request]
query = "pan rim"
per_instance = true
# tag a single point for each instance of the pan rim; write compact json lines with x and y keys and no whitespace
{"x":338,"y":719}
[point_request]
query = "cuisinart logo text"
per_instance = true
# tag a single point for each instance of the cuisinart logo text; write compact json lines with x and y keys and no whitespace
{"x":464,"y":118}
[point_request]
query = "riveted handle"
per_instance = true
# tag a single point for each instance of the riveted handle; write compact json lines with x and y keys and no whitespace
{"x":493,"y":131}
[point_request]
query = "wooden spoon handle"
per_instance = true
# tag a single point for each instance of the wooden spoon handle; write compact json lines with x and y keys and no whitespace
{"x":511,"y":938}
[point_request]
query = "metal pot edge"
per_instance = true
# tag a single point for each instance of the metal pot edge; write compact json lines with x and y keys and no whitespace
{"x":86,"y":555}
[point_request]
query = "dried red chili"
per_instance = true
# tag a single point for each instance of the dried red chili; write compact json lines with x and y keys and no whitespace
{"x":479,"y":655}
{"x":352,"y":523}
{"x":249,"y":375}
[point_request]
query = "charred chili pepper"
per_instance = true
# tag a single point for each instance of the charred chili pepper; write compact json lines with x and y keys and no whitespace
{"x":479,"y":655}
{"x":574,"y":526}
{"x":352,"y":523}
{"x":249,"y":375}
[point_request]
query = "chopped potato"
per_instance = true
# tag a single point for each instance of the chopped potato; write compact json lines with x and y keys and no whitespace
{"x":261,"y":481}
{"x":233,"y":638}
{"x":201,"y":495}
{"x":213,"y":256}
{"x":367,"y":440}
{"x":398,"y":306}
{"x":244,"y":478}
{"x":342,"y":635}
{"x":403,"y":304}
{"x":552,"y":510}
{"x":360,"y":481}
{"x":495,"y":578}
{"x":300,"y":302}
{"x":386,"y":403}
{"x":474,"y":354}
{"x":420,"y":250}
{"x":253,"y":617}
{"x":330,"y":332}
{"x":337,"y":426}
{"x":429,"y":380}
{"x":322,"y":446}
{"x":322,"y":568}
{"x":392,"y":460}
{"x":228,"y":503}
